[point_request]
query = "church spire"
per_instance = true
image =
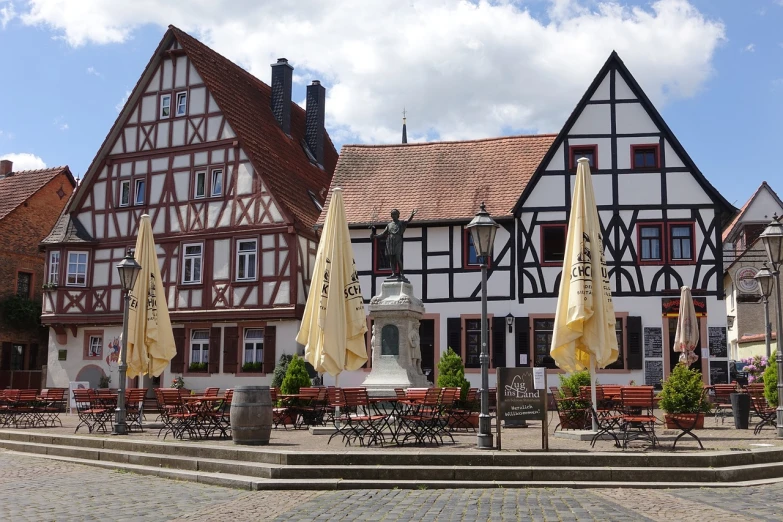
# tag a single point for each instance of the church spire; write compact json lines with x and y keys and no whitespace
{"x":404,"y":127}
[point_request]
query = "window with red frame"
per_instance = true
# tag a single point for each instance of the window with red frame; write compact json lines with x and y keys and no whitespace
{"x":681,"y":242}
{"x":650,"y":243}
{"x":382,"y":263}
{"x":553,"y":240}
{"x":644,"y":156}
{"x":584,"y":151}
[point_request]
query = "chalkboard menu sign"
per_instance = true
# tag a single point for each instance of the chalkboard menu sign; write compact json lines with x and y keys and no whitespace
{"x":518,"y":397}
{"x":719,"y":372}
{"x":653,"y":373}
{"x":717,"y":341}
{"x":653,"y":342}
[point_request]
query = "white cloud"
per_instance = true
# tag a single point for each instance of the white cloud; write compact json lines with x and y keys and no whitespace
{"x":464,"y":69}
{"x":750,"y":48}
{"x":24,"y":161}
{"x":91,"y":70}
{"x":124,"y":100}
{"x":7,"y":13}
{"x":6,"y":135}
{"x":60,"y":124}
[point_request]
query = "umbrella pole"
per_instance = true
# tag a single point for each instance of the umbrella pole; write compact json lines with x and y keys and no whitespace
{"x":337,"y":408}
{"x":592,"y":391}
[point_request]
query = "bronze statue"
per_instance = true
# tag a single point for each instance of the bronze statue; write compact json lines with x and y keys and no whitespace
{"x":393,"y":235}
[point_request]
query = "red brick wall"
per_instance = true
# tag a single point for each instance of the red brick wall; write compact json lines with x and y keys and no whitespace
{"x":20,"y":233}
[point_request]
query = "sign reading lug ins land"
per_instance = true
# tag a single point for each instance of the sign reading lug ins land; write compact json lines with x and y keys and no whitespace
{"x":522,"y":396}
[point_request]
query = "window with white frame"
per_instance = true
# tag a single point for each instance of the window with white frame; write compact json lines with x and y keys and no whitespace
{"x":140,"y":189}
{"x":165,"y":106}
{"x":95,"y":346}
{"x":77,"y":269}
{"x":246,"y":259}
{"x":191,"y":263}
{"x":200,"y":185}
{"x":182,"y":103}
{"x":199,"y":346}
{"x":54,"y":268}
{"x":217,"y":182}
{"x":125,"y":193}
{"x":254,"y":345}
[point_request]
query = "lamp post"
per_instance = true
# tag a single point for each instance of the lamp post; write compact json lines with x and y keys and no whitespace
{"x":773,"y":244}
{"x":128,"y":269}
{"x":482,"y":230}
{"x":764,"y":279}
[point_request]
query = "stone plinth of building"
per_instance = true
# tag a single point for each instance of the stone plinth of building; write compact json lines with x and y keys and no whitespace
{"x":396,"y":350}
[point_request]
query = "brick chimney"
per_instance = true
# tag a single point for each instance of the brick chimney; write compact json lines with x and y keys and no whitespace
{"x":314,"y":117}
{"x":6,"y":167}
{"x":280,"y":102}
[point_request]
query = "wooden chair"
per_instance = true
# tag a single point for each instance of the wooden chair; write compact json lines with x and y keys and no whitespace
{"x":211,"y":392}
{"x":134,"y":398}
{"x":364,"y":426}
{"x":638,"y":420}
{"x":722,"y":400}
{"x":767,"y":414}
{"x":281,"y":415}
{"x":607,"y":419}
{"x":91,"y":411}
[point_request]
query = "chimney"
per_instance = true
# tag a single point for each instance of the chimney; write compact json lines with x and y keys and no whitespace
{"x":6,"y":167}
{"x":314,"y":130}
{"x":280,"y":102}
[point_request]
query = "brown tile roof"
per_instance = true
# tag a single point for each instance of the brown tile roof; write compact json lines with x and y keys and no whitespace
{"x":21,"y":185}
{"x":756,"y":338}
{"x":729,"y":229}
{"x":444,"y":180}
{"x":280,"y":160}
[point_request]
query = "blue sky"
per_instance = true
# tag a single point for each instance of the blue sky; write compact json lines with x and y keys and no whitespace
{"x":713,"y":68}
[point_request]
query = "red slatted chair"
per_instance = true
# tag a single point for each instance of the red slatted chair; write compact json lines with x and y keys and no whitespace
{"x":211,"y":392}
{"x":92,"y":413}
{"x":638,"y":420}
{"x":722,"y":400}
{"x":134,"y":398}
{"x":365,"y":425}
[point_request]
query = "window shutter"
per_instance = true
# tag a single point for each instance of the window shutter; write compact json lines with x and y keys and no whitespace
{"x":270,"y":336}
{"x":454,"y":334}
{"x":634,"y":343}
{"x":231,"y":349}
{"x":214,"y":350}
{"x":178,"y":362}
{"x":522,"y":338}
{"x":498,"y":342}
{"x":5,"y":357}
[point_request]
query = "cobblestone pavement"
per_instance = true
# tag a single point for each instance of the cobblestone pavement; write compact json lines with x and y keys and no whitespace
{"x":39,"y":489}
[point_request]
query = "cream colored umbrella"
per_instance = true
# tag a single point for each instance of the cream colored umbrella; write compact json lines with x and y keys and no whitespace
{"x":334,"y":323}
{"x":584,"y":334}
{"x":686,"y":337}
{"x":150,"y":338}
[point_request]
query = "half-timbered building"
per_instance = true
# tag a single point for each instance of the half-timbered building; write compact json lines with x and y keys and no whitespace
{"x":233,"y":175}
{"x":661,"y":222}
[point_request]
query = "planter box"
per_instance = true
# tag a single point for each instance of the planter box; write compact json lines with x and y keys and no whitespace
{"x":685,"y":419}
{"x":574,"y":419}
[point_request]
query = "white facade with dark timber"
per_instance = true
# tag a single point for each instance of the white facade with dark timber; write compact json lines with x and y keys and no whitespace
{"x":662,"y":223}
{"x":225,"y":167}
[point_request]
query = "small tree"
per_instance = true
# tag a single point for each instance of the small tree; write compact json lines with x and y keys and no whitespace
{"x":682,"y":391}
{"x":574,"y":381}
{"x":280,"y":370}
{"x":296,"y":377}
{"x":451,"y":373}
{"x":771,"y":382}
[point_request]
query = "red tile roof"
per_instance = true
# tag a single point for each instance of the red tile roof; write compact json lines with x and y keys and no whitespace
{"x":280,"y":160}
{"x":444,"y":180}
{"x":21,"y":185}
{"x":755,"y":338}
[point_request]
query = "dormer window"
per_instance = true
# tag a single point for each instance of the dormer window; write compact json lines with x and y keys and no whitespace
{"x":165,"y":106}
{"x":315,"y":201}
{"x":182,"y":103}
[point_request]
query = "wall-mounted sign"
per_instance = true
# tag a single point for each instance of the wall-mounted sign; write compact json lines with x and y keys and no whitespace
{"x":670,"y":306}
{"x":716,"y":337}
{"x":653,"y":342}
{"x":743,"y":278}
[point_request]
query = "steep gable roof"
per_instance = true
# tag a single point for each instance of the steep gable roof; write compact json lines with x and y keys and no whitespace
{"x":245,"y":102}
{"x":18,"y":187}
{"x":67,"y":229}
{"x":444,"y":180}
{"x":615,"y":62}
{"x":738,"y":218}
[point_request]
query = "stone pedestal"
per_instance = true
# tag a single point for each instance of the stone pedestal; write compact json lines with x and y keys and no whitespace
{"x":396,"y":350}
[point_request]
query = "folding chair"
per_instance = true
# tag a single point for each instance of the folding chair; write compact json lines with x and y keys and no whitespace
{"x":363,"y":425}
{"x":638,"y":420}
{"x":211,"y":392}
{"x":134,"y":397}
{"x":90,"y":411}
{"x":53,"y":404}
{"x":607,"y":419}
{"x":767,"y":414}
{"x":722,"y":400}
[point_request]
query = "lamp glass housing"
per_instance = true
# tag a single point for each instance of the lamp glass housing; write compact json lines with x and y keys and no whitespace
{"x":129,"y":270}
{"x":482,"y":229}
{"x":765,"y":280}
{"x":773,"y":241}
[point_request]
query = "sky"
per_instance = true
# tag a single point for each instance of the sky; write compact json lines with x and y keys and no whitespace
{"x":461,"y":69}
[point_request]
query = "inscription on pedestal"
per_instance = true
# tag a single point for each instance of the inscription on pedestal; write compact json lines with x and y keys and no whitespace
{"x":390,"y":340}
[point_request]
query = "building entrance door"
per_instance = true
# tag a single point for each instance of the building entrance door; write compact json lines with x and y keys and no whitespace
{"x":427,"y":343}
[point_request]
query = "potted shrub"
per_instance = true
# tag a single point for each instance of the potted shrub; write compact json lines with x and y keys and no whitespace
{"x":104,"y":381}
{"x":451,"y":374}
{"x":296,"y":377}
{"x":574,"y":412}
{"x":682,"y":397}
{"x":280,"y":370}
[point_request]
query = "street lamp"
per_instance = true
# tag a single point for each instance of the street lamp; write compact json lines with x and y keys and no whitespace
{"x":128,"y":269}
{"x":482,"y":230}
{"x":773,"y":244}
{"x":764,"y":279}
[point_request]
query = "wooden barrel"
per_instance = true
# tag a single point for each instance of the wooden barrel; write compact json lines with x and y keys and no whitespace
{"x":251,"y":415}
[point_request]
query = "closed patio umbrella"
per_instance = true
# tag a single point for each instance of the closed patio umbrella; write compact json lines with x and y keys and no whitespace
{"x":686,"y":337}
{"x":334,"y":322}
{"x":150,"y":338}
{"x":584,"y":333}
